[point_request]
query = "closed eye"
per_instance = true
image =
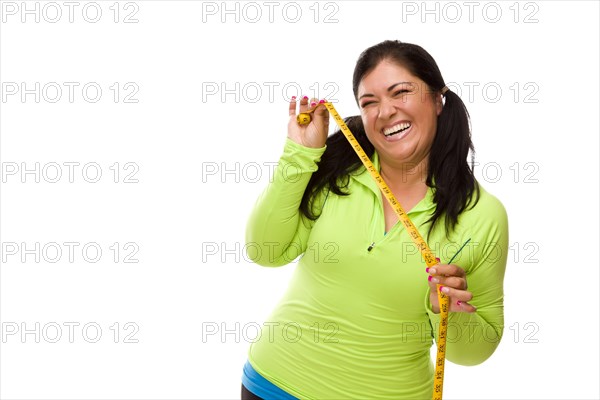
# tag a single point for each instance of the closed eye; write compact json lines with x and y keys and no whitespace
{"x":401,"y":91}
{"x":363,"y":105}
{"x":398,"y":92}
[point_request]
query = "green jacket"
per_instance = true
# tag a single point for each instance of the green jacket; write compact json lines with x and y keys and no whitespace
{"x":356,"y":319}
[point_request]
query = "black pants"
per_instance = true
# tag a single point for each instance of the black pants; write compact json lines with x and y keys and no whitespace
{"x":248,"y":395}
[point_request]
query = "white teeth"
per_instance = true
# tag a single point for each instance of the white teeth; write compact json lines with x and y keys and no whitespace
{"x":396,"y":128}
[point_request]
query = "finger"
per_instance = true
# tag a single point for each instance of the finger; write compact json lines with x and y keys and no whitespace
{"x":311,"y":105}
{"x":321,"y":116}
{"x":292,"y":109}
{"x":451,"y":281}
{"x":456,"y":294}
{"x":447,"y":270}
{"x":303,"y":104}
{"x":464,"y":306}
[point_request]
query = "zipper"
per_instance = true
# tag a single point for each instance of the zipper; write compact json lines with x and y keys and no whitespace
{"x":393,"y":229}
{"x":384,"y":238}
{"x":374,"y":233}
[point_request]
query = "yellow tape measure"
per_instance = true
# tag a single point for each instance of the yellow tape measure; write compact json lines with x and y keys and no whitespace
{"x":444,"y":302}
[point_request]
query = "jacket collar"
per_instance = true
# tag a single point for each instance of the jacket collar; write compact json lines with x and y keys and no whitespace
{"x":363,"y":177}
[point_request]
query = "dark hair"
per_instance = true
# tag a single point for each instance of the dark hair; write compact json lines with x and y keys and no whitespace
{"x":449,"y":173}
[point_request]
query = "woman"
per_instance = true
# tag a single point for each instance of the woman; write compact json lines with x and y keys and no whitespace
{"x":361,"y":312}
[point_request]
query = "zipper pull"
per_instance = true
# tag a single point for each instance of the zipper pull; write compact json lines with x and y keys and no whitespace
{"x":371,"y":246}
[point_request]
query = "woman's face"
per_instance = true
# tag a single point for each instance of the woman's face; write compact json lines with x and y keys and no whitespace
{"x":398,"y":113}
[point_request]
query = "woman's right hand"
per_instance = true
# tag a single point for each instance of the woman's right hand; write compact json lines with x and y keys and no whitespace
{"x":313,"y":134}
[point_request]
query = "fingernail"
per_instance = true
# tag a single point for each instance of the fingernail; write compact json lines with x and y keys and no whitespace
{"x":458,"y":303}
{"x":427,"y":269}
{"x":305,"y":97}
{"x":438,"y":260}
{"x":429,"y":278}
{"x":444,"y":289}
{"x":312,"y":104}
{"x":293,"y":97}
{"x":431,"y":270}
{"x":433,"y":279}
{"x":321,"y":101}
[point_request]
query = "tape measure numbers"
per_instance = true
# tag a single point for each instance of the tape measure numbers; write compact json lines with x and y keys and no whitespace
{"x":443,"y":300}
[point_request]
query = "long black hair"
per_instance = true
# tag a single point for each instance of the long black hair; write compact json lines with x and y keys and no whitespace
{"x":449,"y":173}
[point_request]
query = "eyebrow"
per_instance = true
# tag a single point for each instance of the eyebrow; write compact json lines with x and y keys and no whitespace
{"x":388,"y":89}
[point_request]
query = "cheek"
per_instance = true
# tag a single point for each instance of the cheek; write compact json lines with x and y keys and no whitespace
{"x":428,"y":117}
{"x":368,"y":124}
{"x":432,"y":129}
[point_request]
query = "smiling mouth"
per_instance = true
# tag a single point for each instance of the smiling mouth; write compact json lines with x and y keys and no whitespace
{"x":396,"y":129}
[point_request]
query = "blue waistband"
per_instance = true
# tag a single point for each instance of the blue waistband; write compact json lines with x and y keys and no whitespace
{"x":261,"y":387}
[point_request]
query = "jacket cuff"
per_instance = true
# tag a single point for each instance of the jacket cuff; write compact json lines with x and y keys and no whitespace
{"x":301,"y":158}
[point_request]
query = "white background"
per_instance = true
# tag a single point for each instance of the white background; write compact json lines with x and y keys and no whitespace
{"x":185,"y":211}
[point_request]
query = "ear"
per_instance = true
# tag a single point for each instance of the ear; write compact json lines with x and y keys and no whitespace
{"x":439,"y":105}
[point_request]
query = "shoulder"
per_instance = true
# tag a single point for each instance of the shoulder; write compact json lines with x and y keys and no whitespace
{"x":486,"y":213}
{"x":488,"y":204}
{"x":485,"y":226}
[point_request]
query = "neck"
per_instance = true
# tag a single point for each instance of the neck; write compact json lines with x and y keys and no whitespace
{"x":405,"y":176}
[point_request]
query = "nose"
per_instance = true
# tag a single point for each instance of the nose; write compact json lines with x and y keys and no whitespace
{"x":387,"y":109}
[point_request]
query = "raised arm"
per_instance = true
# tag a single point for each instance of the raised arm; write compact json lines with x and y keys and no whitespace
{"x":276,"y":232}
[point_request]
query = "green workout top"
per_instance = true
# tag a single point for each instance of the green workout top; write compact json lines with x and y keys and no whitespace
{"x":356,"y":319}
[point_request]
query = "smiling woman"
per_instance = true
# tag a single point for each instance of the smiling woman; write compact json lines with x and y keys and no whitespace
{"x":360,"y":323}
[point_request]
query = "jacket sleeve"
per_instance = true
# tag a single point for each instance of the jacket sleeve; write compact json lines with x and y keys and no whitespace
{"x":473,"y":337}
{"x":276,"y":232}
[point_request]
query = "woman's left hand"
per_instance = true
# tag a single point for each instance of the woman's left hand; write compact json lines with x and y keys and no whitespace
{"x":454,"y":284}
